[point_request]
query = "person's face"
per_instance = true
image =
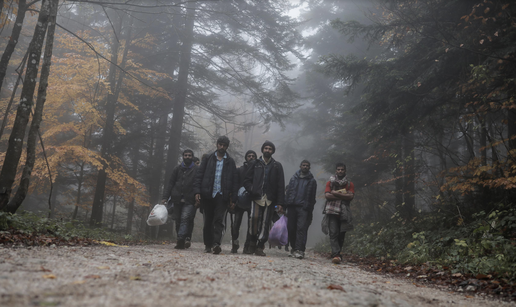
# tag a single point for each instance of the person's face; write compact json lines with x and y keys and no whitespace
{"x":187,"y":158}
{"x":267,"y":151}
{"x":305,"y":168}
{"x":221,"y":148}
{"x":250,"y":157}
{"x":341,"y":171}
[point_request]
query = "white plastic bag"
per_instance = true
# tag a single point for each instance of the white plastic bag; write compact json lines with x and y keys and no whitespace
{"x":158,"y":215}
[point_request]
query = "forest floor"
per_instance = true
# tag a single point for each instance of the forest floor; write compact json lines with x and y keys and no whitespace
{"x":159,"y":275}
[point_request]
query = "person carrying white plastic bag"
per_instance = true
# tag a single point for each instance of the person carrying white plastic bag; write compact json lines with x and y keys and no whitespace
{"x":158,"y":215}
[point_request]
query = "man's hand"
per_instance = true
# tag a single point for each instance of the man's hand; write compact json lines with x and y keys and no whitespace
{"x":164,"y":202}
{"x":197,"y":200}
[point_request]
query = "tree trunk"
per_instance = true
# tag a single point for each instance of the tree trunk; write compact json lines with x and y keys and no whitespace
{"x":409,"y":189}
{"x":21,"y":193}
{"x":176,"y":126}
{"x":108,"y":136}
{"x":15,"y":144}
{"x":157,"y":160}
{"x":135,"y":157}
{"x":79,"y":191}
{"x":13,"y":94}
{"x":511,"y":128}
{"x":13,"y":40}
{"x":113,"y":212}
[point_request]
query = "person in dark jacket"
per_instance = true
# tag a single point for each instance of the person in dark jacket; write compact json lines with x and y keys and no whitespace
{"x":300,"y":201}
{"x":265,"y":182}
{"x":243,"y":205}
{"x":179,"y":192}
{"x":216,"y":189}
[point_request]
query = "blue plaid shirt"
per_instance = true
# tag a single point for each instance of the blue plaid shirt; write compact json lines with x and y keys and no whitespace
{"x":217,"y":188}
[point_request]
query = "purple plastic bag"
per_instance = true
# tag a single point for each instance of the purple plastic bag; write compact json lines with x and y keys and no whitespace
{"x":278,"y":236}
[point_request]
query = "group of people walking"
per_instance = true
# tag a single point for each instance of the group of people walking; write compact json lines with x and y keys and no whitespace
{"x":216,"y":186}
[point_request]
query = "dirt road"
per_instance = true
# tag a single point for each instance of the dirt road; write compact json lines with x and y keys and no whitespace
{"x":158,"y":275}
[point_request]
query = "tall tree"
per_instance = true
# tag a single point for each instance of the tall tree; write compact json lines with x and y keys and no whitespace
{"x":14,"y":150}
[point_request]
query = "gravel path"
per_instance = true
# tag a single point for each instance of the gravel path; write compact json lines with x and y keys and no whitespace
{"x":158,"y":275}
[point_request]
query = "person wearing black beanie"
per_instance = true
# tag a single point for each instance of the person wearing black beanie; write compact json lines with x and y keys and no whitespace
{"x":265,"y":182}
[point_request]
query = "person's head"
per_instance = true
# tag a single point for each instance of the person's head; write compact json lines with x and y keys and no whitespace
{"x":304,"y":166}
{"x":250,"y":155}
{"x":268,"y":149}
{"x":340,"y":169}
{"x":222,"y":144}
{"x":196,"y":161}
{"x":187,"y":157}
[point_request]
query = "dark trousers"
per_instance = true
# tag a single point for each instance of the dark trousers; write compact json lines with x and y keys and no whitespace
{"x":236,"y":221}
{"x":336,"y":236}
{"x":297,"y":225}
{"x":260,"y":221}
{"x":184,"y":215}
{"x":214,"y":211}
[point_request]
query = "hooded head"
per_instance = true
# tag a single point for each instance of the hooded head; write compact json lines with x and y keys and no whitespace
{"x":269,"y":143}
{"x":250,"y":152}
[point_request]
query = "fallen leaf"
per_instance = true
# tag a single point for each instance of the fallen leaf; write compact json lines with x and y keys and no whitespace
{"x":210,"y":278}
{"x":92,"y":276}
{"x":135,"y":278}
{"x":182,"y":279}
{"x":336,"y":287}
{"x":49,"y":276}
{"x":103,"y":267}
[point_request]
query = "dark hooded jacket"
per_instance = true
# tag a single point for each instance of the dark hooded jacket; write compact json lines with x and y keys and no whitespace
{"x":204,"y":180}
{"x":180,"y":184}
{"x":301,"y":191}
{"x":275,"y":185}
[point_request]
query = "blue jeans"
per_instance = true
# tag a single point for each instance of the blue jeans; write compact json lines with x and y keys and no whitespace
{"x":184,"y":215}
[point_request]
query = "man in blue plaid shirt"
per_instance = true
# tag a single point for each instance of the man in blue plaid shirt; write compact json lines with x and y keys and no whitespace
{"x":216,"y":189}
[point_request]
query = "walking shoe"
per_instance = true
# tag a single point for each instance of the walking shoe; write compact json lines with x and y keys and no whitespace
{"x":187,"y":243}
{"x":299,"y":254}
{"x":291,"y":254}
{"x":180,"y":244}
{"x":336,"y":260}
{"x":246,"y":250}
{"x":252,"y":247}
{"x":207,"y":249}
{"x":217,"y":249}
{"x":235,"y":247}
{"x":259,"y":252}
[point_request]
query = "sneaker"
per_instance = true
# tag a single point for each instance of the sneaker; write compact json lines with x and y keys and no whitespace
{"x":259,"y":252}
{"x":291,"y":254}
{"x":217,"y":249}
{"x":188,"y":243}
{"x":299,"y":254}
{"x":207,"y":250}
{"x":336,"y":260}
{"x":180,"y":244}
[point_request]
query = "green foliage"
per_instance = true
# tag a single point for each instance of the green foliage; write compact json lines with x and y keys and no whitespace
{"x":27,"y":222}
{"x":486,"y":245}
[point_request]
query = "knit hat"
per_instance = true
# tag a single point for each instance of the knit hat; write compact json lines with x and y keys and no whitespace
{"x":269,"y":143}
